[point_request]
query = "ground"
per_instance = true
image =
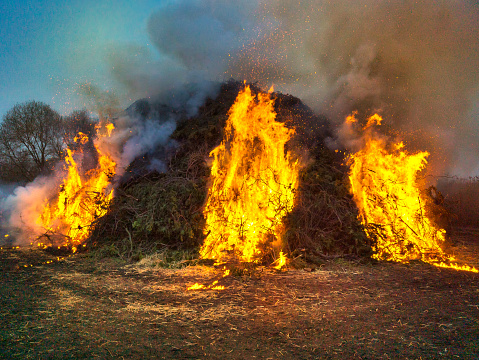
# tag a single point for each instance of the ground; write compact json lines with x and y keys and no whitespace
{"x":80,"y":308}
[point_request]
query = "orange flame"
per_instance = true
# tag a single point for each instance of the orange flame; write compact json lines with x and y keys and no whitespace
{"x":384,"y":184}
{"x":281,"y":261}
{"x":213,"y":286}
{"x":253,"y":182}
{"x":81,"y":199}
{"x":351,"y":119}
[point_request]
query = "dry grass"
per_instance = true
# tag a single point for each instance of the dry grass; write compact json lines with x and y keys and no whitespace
{"x":66,"y":299}
{"x":83,"y":309}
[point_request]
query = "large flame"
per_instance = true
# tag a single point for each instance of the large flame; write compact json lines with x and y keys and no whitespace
{"x":253,"y":182}
{"x":391,"y":206}
{"x":82,"y":198}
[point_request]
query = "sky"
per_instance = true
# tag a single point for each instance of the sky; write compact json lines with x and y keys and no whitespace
{"x":49,"y":47}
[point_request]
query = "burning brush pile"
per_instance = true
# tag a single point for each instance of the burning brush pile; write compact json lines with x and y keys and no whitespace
{"x":247,"y":179}
{"x":392,"y":207}
{"x":250,"y":181}
{"x":84,"y":196}
{"x":57,"y":212}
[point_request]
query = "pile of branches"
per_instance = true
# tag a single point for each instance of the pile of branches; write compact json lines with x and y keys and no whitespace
{"x":324,"y":222}
{"x":152,"y":211}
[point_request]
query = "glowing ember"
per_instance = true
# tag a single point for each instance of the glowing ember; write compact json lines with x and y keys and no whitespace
{"x":81,"y":200}
{"x":253,"y":183}
{"x":383,"y":181}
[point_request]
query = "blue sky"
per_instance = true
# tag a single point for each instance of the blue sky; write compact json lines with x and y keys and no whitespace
{"x":49,"y":47}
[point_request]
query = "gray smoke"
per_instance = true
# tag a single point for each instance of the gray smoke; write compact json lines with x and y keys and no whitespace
{"x":145,"y":127}
{"x":414,"y":62}
{"x":193,"y":43}
{"x":6,"y":190}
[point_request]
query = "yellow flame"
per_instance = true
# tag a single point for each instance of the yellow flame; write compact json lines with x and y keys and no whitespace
{"x":253,"y":182}
{"x":384,"y":184}
{"x":376,"y":119}
{"x":109,"y":128}
{"x":81,"y":199}
{"x":351,"y":119}
{"x":213,"y":286}
{"x":196,"y":286}
{"x":281,"y":261}
{"x":219,"y":287}
{"x":456,"y":266}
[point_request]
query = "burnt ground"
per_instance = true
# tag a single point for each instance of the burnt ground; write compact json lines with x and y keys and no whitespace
{"x":80,"y":308}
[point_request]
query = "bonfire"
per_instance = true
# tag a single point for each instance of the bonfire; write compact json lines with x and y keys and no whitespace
{"x":253,"y":183}
{"x":83,"y":197}
{"x":384,"y":183}
{"x":253,"y":187}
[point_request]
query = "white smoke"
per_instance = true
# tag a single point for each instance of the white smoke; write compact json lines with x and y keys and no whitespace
{"x":22,"y":208}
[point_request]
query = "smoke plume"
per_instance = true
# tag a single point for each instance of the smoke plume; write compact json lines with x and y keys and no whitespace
{"x":193,"y":43}
{"x":414,"y":62}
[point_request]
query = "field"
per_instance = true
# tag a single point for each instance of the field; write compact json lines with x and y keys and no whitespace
{"x":84,"y":308}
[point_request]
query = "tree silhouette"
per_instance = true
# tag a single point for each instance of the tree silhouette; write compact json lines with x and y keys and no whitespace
{"x":31,"y":141}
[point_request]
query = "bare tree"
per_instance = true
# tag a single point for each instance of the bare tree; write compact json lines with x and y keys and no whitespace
{"x":31,"y":139}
